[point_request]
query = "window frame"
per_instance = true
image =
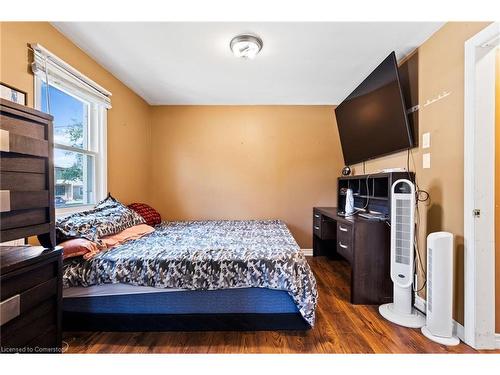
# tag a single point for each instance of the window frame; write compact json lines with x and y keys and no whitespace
{"x":96,"y":136}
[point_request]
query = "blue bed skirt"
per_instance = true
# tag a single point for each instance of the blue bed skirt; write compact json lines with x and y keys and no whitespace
{"x":225,"y":301}
{"x":245,"y":309}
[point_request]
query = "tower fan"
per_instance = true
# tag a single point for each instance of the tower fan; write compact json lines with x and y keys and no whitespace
{"x":401,"y":311}
{"x":439,"y":323}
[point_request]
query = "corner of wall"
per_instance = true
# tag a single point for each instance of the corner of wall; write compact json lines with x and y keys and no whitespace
{"x":149,"y":142}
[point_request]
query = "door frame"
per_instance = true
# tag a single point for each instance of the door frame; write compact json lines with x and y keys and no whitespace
{"x":479,"y":165}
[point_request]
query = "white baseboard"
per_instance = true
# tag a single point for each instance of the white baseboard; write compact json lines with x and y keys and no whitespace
{"x":497,"y":340}
{"x":308,"y":252}
{"x":420,"y":304}
{"x":459,"y":330}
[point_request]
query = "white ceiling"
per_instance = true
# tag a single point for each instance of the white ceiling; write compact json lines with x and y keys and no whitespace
{"x":191,"y":63}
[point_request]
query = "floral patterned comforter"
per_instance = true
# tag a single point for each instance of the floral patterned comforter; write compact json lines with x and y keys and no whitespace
{"x":206,"y":255}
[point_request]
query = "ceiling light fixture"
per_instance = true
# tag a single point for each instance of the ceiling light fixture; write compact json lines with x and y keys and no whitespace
{"x":246,"y":46}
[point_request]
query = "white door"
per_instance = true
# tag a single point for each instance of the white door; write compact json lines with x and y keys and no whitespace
{"x":479,"y":189}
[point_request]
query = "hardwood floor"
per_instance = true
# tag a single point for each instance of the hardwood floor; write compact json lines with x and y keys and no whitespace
{"x":340,"y":328}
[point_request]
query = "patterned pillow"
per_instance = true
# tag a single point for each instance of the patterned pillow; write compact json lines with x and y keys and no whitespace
{"x":149,"y":214}
{"x":108,"y":217}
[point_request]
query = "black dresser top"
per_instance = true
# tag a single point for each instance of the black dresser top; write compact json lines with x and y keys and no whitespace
{"x":15,"y":257}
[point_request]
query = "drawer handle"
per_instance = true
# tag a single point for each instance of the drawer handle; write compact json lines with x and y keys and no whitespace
{"x":4,"y":200}
{"x":316,"y":227}
{"x":4,"y":140}
{"x":10,"y":309}
{"x":342,"y":245}
{"x":343,"y":229}
{"x":316,"y":216}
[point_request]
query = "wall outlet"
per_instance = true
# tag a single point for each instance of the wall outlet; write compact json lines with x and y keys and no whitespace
{"x":426,"y":140}
{"x":426,"y":160}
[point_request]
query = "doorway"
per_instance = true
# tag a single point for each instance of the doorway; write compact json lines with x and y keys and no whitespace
{"x":479,"y":188}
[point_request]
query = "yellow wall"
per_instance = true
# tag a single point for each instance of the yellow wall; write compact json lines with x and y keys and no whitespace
{"x":128,"y":126}
{"x":245,"y":162}
{"x":441,"y":68}
{"x":497,"y":190}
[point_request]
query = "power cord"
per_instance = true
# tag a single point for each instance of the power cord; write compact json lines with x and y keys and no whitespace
{"x":420,"y":196}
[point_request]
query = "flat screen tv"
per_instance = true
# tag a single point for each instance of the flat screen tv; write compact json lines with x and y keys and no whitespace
{"x":372,"y":120}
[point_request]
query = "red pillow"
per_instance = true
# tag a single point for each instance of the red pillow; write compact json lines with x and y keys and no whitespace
{"x":149,"y":214}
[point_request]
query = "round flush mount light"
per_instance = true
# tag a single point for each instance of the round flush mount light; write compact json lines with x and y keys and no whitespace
{"x":246,"y":46}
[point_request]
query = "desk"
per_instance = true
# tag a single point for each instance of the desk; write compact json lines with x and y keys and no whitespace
{"x":365,"y":244}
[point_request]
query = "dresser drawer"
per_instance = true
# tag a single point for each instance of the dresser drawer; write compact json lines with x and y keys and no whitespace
{"x":19,"y":304}
{"x":21,"y":163}
{"x":23,"y":218}
{"x":23,"y":282}
{"x":30,"y":299}
{"x":23,"y":200}
{"x":20,"y":126}
{"x":22,"y":330}
{"x":21,"y":144}
{"x":19,"y":181}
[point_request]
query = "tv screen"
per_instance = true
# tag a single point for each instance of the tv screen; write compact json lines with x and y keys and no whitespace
{"x":372,"y":120}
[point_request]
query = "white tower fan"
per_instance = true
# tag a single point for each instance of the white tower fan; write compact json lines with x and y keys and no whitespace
{"x":439,"y":323}
{"x":401,"y":311}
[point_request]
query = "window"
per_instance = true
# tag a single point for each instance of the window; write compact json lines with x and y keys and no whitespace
{"x":74,"y":160}
{"x":79,"y":132}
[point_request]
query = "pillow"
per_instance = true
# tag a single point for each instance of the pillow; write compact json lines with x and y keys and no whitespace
{"x":108,"y":217}
{"x":149,"y":214}
{"x":132,"y":233}
{"x":77,"y":247}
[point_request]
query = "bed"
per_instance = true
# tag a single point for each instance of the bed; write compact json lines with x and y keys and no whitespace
{"x":194,"y":275}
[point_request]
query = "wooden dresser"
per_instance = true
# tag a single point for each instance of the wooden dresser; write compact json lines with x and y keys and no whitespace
{"x":30,"y":276}
{"x":26,"y":174}
{"x":31,"y":296}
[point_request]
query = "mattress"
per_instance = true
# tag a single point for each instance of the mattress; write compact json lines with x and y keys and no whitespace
{"x":206,"y":256}
{"x":112,"y":290}
{"x":125,"y":299}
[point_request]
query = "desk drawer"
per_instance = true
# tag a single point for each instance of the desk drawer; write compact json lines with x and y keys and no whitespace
{"x":344,"y":240}
{"x":344,"y":249}
{"x":316,"y":219}
{"x":344,"y":232}
{"x":324,"y":228}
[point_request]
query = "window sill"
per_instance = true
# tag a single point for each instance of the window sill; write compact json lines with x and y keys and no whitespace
{"x":65,"y":211}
